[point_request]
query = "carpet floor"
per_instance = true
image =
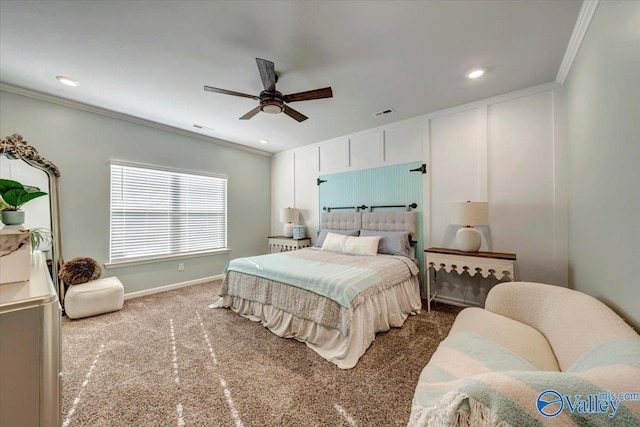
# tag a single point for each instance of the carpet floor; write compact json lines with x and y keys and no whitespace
{"x":168,"y":360}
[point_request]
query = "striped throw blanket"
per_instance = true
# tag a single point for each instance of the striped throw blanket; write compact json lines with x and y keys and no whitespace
{"x":472,"y":381}
{"x":341,"y":283}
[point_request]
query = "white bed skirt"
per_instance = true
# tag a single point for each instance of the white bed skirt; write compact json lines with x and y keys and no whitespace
{"x":380,"y":312}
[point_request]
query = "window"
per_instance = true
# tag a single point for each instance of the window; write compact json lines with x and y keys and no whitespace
{"x":158,"y":213}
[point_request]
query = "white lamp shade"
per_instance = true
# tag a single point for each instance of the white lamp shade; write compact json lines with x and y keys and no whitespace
{"x":289,"y":215}
{"x":470,"y":213}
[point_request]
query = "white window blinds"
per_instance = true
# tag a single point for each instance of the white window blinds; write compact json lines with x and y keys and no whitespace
{"x":156,"y":212}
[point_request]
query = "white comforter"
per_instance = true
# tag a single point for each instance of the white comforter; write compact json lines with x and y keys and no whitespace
{"x":340,"y":335}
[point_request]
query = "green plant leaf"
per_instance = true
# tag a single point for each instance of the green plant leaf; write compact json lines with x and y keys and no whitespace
{"x":25,"y":197}
{"x":7,"y":184}
{"x":18,"y":197}
{"x":12,"y":197}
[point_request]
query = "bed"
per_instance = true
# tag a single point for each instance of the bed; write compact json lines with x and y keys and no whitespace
{"x":332,"y":301}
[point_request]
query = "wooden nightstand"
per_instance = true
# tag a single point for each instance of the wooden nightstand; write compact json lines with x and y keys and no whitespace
{"x":283,"y":244}
{"x":501,"y":265}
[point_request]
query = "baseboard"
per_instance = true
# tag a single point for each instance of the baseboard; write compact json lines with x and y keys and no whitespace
{"x":455,"y":302}
{"x":171,"y":287}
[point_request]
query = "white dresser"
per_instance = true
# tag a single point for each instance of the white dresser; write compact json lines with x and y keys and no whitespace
{"x":30,"y":350}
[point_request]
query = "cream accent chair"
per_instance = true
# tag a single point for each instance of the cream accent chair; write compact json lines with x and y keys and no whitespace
{"x":530,"y":337}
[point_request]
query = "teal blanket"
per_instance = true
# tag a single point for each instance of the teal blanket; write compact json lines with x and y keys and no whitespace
{"x":472,"y":381}
{"x":340,"y":283}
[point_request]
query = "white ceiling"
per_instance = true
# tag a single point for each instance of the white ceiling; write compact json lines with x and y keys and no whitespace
{"x":152,"y":59}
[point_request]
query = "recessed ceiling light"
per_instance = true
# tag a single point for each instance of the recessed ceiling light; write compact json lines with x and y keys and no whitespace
{"x":475,"y":73}
{"x":67,"y":81}
{"x":264,"y":141}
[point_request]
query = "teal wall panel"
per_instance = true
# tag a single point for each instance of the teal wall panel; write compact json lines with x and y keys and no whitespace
{"x":388,"y":185}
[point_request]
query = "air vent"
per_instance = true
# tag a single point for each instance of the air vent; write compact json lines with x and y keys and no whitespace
{"x":384,"y":112}
{"x":197,"y":126}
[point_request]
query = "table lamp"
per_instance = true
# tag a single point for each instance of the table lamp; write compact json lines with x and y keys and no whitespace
{"x":469,"y":214}
{"x":289,"y":216}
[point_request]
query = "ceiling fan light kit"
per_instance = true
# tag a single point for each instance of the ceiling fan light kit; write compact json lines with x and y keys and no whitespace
{"x":272,"y":101}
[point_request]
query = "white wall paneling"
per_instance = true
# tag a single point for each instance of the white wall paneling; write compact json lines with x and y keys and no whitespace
{"x":282,"y":178}
{"x":334,"y":155}
{"x":454,"y":171}
{"x":521,"y":183}
{"x":307,"y":170}
{"x":403,"y":144}
{"x":366,"y":151}
{"x":507,"y":150}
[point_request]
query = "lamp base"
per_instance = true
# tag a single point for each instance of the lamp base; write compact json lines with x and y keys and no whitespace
{"x":469,"y":239}
{"x":288,"y":229}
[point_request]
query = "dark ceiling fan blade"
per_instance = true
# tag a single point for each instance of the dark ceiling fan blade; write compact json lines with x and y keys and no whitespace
{"x":251,"y":113}
{"x":294,"y":114}
{"x":267,"y":74}
{"x":229,"y":92}
{"x":325,"y":92}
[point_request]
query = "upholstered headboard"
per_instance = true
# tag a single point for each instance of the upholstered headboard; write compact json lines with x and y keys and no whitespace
{"x":376,"y":221}
{"x":342,"y":220}
{"x":391,"y":221}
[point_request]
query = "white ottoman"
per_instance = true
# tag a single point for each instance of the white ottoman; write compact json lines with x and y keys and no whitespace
{"x":94,"y":297}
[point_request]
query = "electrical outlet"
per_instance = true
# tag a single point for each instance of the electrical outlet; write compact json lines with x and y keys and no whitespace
{"x":181,"y":267}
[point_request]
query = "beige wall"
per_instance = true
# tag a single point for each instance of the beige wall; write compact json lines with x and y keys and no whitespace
{"x":82,"y":143}
{"x":603,"y":107}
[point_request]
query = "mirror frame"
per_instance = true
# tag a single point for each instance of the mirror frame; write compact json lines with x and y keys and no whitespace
{"x":15,"y":147}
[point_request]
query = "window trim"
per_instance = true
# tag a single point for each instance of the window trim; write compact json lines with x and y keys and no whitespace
{"x":167,"y":169}
{"x":161,"y":258}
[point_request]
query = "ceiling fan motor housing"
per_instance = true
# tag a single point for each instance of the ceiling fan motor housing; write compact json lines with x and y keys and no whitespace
{"x":271,"y":102}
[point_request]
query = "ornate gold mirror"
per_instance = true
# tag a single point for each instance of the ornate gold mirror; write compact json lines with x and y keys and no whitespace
{"x":21,"y":162}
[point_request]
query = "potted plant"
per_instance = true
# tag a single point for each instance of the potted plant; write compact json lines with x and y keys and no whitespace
{"x":41,"y":238}
{"x":14,"y":195}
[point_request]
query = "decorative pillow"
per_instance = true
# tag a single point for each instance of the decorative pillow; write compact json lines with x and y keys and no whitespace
{"x":361,"y":245}
{"x":80,"y":270}
{"x":392,"y":242}
{"x":333,"y":242}
{"x":351,"y":245}
{"x":323,"y":235}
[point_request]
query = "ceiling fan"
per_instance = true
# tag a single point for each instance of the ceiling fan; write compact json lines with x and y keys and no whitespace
{"x":272,"y":101}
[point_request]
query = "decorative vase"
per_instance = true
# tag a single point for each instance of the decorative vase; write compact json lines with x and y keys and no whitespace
{"x":12,"y":217}
{"x":288,"y":229}
{"x":469,"y":239}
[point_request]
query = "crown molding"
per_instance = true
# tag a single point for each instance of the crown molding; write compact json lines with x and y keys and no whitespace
{"x":126,"y":117}
{"x":582,"y":24}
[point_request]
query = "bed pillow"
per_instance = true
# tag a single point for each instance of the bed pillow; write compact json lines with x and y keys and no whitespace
{"x":323,"y":235}
{"x":392,"y":242}
{"x":351,"y":245}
